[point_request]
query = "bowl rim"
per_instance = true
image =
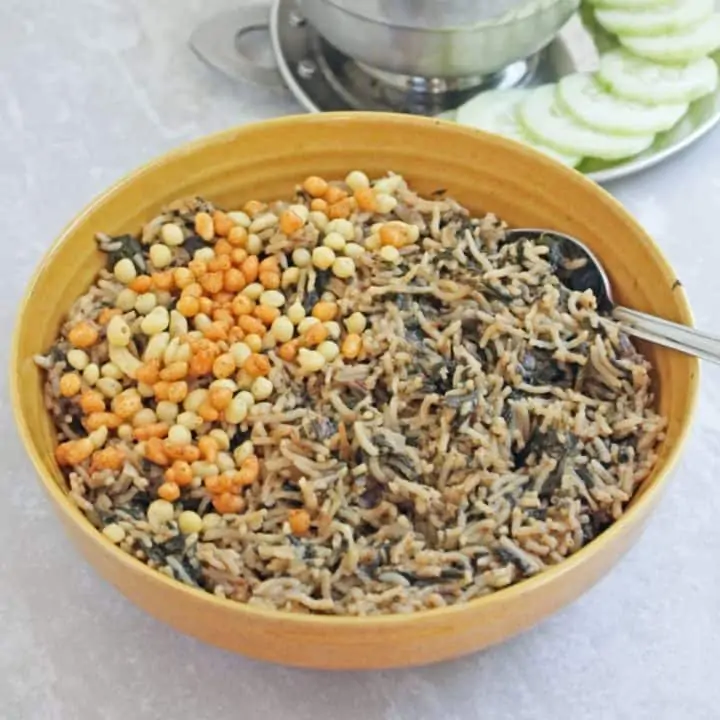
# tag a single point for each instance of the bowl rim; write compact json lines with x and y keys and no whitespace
{"x":500,"y":22}
{"x":72,"y":514}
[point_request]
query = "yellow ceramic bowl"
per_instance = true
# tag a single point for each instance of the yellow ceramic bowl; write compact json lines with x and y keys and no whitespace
{"x":265,"y":161}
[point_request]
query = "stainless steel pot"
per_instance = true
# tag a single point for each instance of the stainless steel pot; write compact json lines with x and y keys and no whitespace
{"x":438,"y":38}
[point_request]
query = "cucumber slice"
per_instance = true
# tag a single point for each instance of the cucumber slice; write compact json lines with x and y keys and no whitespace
{"x":544,"y":119}
{"x":679,"y":15}
{"x":635,"y":78}
{"x":628,"y":4}
{"x":682,"y":47}
{"x":496,"y":112}
{"x":492,"y":110}
{"x":581,"y":96}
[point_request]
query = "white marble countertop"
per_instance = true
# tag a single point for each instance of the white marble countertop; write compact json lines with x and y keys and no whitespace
{"x":88,"y":90}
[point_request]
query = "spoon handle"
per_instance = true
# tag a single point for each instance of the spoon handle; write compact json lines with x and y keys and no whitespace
{"x":670,"y":334}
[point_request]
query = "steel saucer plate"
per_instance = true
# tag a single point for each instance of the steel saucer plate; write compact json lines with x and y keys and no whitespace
{"x":322,"y":79}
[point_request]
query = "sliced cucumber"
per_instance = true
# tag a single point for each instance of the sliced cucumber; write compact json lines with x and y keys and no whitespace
{"x":628,"y":4}
{"x":682,"y":47}
{"x":544,"y":119}
{"x":581,"y":96}
{"x":635,"y":78}
{"x":676,"y":16}
{"x":496,"y":111}
{"x":493,"y":110}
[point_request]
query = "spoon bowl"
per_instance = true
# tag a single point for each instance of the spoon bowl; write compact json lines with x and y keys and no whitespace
{"x":579,"y":269}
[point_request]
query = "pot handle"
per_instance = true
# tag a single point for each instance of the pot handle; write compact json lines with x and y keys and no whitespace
{"x":216,"y":42}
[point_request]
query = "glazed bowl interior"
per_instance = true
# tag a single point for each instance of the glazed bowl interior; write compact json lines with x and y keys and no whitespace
{"x":265,"y":161}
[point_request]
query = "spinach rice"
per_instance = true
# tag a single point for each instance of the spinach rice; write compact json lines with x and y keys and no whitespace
{"x":402,"y":411}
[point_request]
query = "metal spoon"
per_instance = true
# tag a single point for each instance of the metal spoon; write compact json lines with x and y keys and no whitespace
{"x":566,"y":252}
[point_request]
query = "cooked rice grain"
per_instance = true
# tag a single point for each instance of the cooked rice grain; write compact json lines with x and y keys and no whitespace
{"x":492,"y":425}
